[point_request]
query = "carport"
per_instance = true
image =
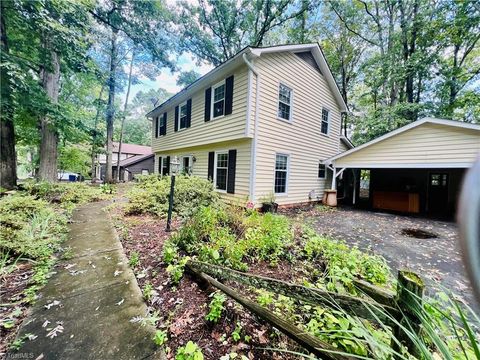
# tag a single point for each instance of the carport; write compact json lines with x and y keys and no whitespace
{"x":415,"y":169}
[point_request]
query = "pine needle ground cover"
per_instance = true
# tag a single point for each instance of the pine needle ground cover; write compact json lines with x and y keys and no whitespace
{"x":33,"y":226}
{"x":211,"y":324}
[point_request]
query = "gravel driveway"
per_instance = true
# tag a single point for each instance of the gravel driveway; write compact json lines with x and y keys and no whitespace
{"x":436,"y":259}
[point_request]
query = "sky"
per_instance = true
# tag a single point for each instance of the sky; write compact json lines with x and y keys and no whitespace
{"x":168,"y":80}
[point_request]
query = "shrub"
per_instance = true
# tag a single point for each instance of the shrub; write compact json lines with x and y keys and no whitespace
{"x":229,"y":235}
{"x":151,"y":194}
{"x":66,"y":194}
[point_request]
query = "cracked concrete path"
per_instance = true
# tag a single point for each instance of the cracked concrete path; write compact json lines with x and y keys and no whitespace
{"x":86,"y":308}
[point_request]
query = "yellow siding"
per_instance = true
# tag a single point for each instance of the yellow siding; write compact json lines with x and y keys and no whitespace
{"x":226,"y":128}
{"x":301,"y":138}
{"x":425,"y":144}
{"x":200,"y":166}
{"x":342,"y":147}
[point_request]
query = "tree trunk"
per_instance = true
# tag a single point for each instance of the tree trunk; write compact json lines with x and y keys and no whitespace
{"x":120,"y":141}
{"x":111,"y":106}
{"x":8,"y":161}
{"x":49,"y":137}
{"x":94,"y":135}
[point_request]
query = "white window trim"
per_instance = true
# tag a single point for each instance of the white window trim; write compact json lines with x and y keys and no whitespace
{"x":190,"y":161}
{"x":329,"y":121}
{"x":288,"y":174}
{"x":320,"y":162}
{"x":212,"y":97}
{"x":179,"y":115}
{"x":215,"y":170}
{"x":290,"y":120}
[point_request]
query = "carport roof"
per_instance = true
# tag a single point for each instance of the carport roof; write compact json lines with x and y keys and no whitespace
{"x":446,"y":143}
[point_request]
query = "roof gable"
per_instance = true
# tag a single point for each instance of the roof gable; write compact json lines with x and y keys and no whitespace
{"x":237,"y":60}
{"x":423,"y":142}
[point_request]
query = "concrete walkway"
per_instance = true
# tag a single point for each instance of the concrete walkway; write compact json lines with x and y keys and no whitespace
{"x":86,"y":309}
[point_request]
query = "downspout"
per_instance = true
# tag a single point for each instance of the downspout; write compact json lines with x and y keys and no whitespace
{"x":253,"y":150}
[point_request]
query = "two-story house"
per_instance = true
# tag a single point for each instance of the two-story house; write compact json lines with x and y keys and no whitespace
{"x":261,"y":122}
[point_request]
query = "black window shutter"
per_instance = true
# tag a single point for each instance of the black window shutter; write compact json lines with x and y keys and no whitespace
{"x":159,"y":165}
{"x":211,"y":163}
{"x":176,"y":118}
{"x":168,"y":165}
{"x":208,"y":103}
{"x":228,"y":95}
{"x":232,"y":164}
{"x":189,"y":112}
{"x":164,"y":132}
{"x":156,"y":127}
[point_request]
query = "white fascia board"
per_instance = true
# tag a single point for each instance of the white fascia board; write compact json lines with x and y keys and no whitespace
{"x":463,"y":165}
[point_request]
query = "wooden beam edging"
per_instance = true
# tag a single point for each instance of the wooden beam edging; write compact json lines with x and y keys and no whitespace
{"x":366,"y":309}
{"x":382,"y":296}
{"x":320,"y":348}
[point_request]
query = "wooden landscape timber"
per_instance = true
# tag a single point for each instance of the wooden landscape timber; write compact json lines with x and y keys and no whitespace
{"x":409,"y":298}
{"x":398,"y":310}
{"x":318,"y":347}
{"x":366,"y":309}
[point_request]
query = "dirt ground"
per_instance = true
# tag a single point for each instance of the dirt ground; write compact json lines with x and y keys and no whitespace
{"x":437,"y":259}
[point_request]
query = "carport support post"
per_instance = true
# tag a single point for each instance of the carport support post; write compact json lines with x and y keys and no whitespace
{"x":334,"y":178}
{"x":409,"y":298}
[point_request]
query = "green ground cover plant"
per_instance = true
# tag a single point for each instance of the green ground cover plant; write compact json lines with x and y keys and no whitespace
{"x":237,"y":238}
{"x":33,"y":224}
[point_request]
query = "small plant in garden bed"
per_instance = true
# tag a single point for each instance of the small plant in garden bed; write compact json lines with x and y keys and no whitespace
{"x":160,"y":337}
{"x":216,"y":307}
{"x":190,"y":351}
{"x":134,"y":259}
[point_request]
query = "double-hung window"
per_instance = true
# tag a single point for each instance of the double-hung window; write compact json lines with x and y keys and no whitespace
{"x":187,"y":165}
{"x":221,"y":170}
{"x":284,"y":102}
{"x":163,"y":165}
{"x":182,"y":116}
{"x":325,"y":121}
{"x":321,"y":171}
{"x":218,"y":100}
{"x":162,"y":128}
{"x":281,"y":173}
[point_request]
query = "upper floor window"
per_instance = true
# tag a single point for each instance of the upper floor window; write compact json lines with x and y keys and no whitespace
{"x":162,"y":128}
{"x":284,"y":102}
{"x":182,"y":116}
{"x":218,"y":100}
{"x":221,"y":170}
{"x":281,"y":173}
{"x":325,"y":121}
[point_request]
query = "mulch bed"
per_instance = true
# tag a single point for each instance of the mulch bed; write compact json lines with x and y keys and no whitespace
{"x":182,"y":309}
{"x":12,"y":298}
